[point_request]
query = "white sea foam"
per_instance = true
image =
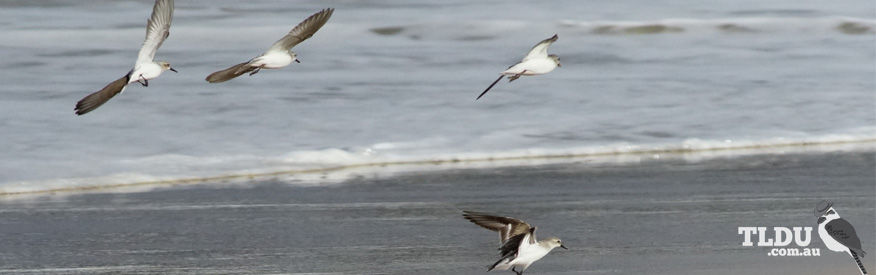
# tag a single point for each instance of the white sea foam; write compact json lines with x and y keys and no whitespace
{"x":330,"y":166}
{"x":749,"y":24}
{"x":195,"y":35}
{"x":476,"y":30}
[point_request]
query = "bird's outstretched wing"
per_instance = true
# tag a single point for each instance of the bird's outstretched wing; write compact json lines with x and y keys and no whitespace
{"x":506,"y":226}
{"x":540,"y":49}
{"x":303,"y":31}
{"x":94,"y":100}
{"x":157,"y":30}
{"x":843,"y":232}
{"x":512,"y":246}
{"x":231,"y":72}
{"x":510,"y":249}
{"x":490,"y":87}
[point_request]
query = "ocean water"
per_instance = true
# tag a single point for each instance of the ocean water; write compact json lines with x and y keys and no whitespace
{"x":395,"y":81}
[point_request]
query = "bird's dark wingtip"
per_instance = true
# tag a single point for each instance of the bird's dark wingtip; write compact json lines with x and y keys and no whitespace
{"x":468,"y":213}
{"x":80,"y":109}
{"x":327,"y":11}
{"x":490,"y":87}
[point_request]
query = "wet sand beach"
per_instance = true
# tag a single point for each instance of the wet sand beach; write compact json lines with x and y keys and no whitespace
{"x":655,"y":217}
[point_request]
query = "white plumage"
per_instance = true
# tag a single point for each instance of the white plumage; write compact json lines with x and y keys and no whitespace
{"x":145,"y":69}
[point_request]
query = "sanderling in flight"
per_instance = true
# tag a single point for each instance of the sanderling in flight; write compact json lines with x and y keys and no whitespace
{"x":535,"y":63}
{"x":519,"y":247}
{"x":157,"y":30}
{"x":838,"y":234}
{"x":280,"y":54}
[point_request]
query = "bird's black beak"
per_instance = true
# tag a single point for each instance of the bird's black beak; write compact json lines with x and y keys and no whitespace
{"x":821,"y":220}
{"x":172,"y":69}
{"x":559,"y":65}
{"x":297,"y":61}
{"x":564,"y":247}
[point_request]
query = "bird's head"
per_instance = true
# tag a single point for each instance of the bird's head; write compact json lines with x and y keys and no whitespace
{"x":554,"y":242}
{"x":556,"y":59}
{"x":294,"y":56}
{"x":166,"y":66}
{"x":825,"y":212}
{"x":828,"y":216}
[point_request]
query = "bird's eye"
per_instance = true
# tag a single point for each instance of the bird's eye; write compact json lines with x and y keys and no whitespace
{"x":831,"y":212}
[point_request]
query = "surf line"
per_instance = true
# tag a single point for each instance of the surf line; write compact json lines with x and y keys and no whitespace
{"x":266,"y":175}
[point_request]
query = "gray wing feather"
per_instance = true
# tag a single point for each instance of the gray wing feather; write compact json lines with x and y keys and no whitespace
{"x":510,"y":247}
{"x":303,"y":30}
{"x":540,"y":49}
{"x":94,"y":100}
{"x":844,"y":233}
{"x":231,"y":72}
{"x":506,"y":226}
{"x":157,"y":30}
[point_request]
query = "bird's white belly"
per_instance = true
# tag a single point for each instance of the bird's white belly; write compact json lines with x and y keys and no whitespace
{"x":272,"y":61}
{"x":147,"y":71}
{"x":528,"y":258}
{"x":528,"y":254}
{"x":532,"y":67}
{"x":829,"y":242}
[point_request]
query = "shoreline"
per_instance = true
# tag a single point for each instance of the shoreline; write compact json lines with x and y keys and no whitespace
{"x":661,"y":217}
{"x":700,"y":154}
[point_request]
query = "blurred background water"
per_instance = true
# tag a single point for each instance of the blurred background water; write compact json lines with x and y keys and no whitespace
{"x":396,"y":80}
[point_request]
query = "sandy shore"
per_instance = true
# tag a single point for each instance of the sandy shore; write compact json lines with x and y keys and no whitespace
{"x":656,"y":217}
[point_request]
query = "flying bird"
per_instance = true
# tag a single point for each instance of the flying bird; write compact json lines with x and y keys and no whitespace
{"x":157,"y":30}
{"x":537,"y":62}
{"x":519,"y":246}
{"x":838,"y":234}
{"x":280,"y":54}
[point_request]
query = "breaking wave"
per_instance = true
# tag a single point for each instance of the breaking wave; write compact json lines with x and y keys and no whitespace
{"x":844,"y":25}
{"x":328,"y":166}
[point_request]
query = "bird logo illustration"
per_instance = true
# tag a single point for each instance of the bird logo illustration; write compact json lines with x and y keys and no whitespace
{"x":838,"y":234}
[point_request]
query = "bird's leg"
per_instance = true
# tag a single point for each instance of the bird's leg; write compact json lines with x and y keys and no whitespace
{"x":255,"y":71}
{"x":516,"y":76}
{"x":143,"y":81}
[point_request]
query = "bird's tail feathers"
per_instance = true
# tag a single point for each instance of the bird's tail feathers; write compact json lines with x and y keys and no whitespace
{"x":858,"y":261}
{"x":231,"y":72}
